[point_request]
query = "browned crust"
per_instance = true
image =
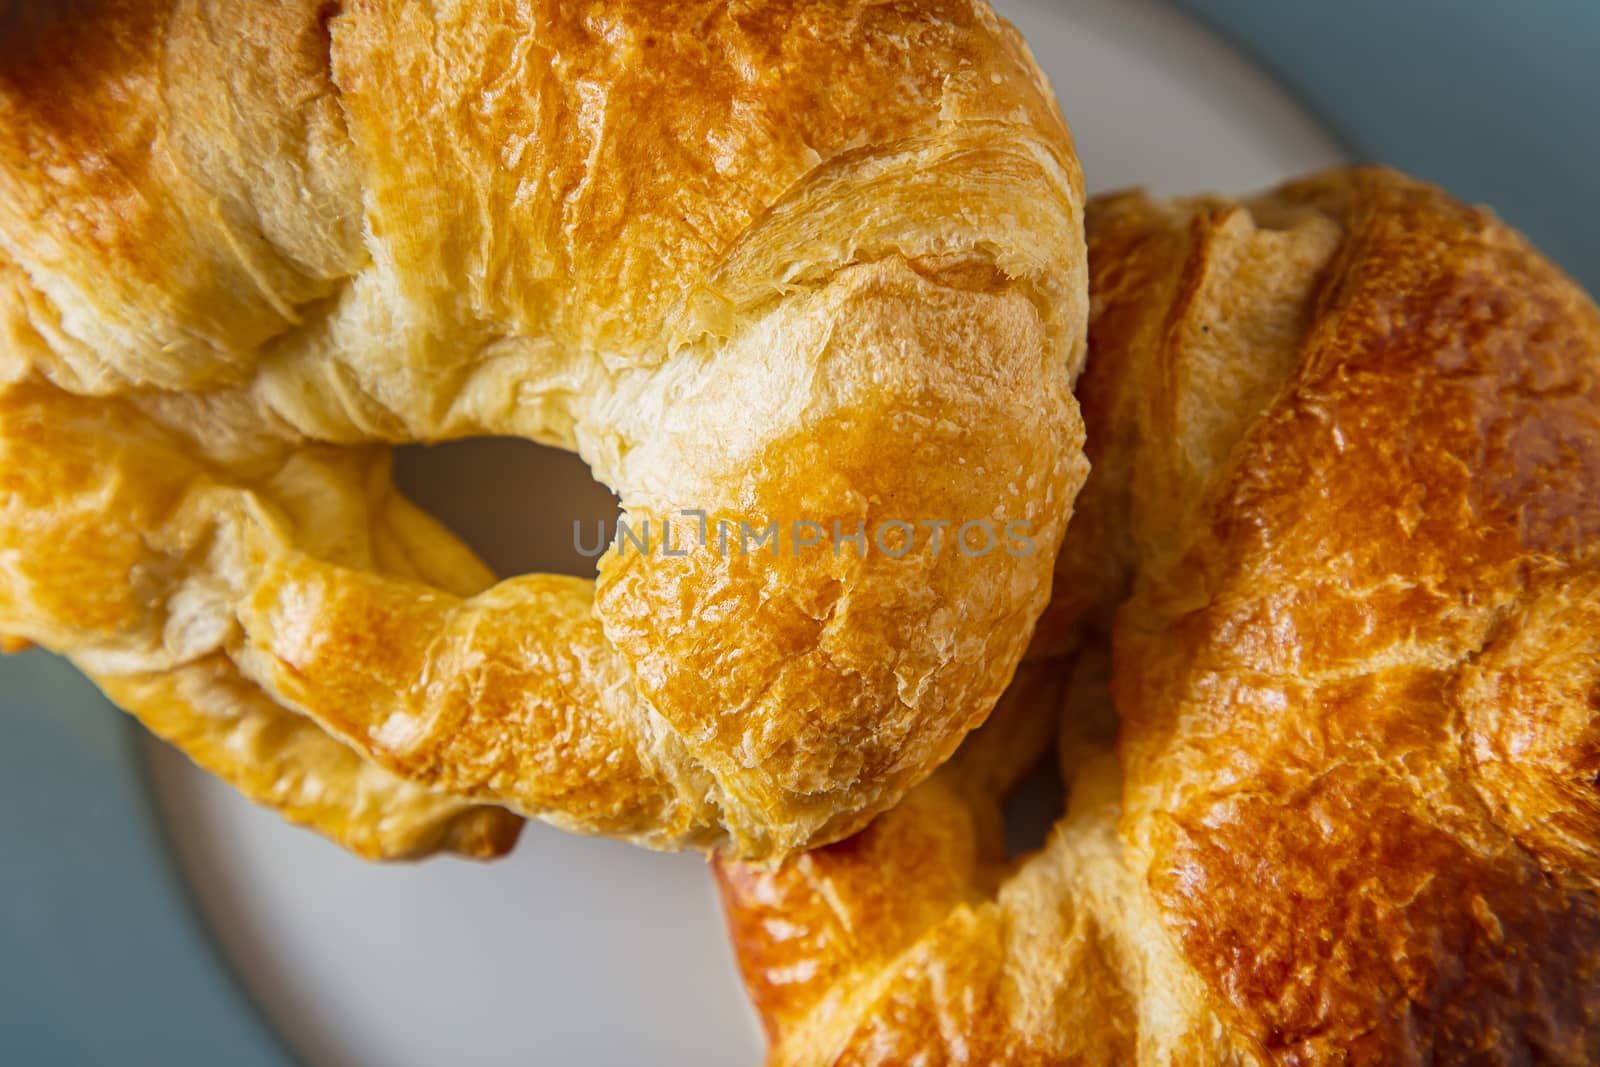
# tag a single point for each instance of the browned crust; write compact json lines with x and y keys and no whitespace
{"x":1346,"y":440}
{"x":801,"y":259}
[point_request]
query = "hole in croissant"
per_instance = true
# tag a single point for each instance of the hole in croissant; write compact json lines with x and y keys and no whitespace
{"x":1033,"y":807}
{"x":513,"y":501}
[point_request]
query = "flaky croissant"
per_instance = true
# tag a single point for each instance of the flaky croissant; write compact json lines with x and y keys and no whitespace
{"x":1346,"y":448}
{"x":814,"y":262}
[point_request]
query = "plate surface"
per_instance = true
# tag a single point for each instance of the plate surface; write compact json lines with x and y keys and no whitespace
{"x":589,"y":952}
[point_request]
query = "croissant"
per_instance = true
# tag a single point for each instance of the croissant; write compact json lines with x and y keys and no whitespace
{"x":1346,"y":445}
{"x":781,"y":268}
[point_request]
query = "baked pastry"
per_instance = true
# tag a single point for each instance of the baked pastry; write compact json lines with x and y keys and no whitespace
{"x":773,"y":263}
{"x":1346,"y":447}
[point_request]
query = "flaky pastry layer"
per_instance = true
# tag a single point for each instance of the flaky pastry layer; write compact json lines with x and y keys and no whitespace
{"x":814,"y":260}
{"x":1341,"y":530}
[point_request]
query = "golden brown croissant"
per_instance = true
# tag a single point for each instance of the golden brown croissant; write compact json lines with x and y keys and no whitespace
{"x":796,"y":262}
{"x":1346,"y":447}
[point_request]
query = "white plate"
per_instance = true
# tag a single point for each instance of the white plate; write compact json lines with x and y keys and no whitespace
{"x":575,"y":951}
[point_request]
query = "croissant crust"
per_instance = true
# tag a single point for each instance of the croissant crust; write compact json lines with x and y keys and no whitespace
{"x":1346,"y":448}
{"x":808,"y":260}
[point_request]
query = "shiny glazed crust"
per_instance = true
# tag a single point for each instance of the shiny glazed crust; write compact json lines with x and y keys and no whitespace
{"x":778,"y":261}
{"x":1346,"y":441}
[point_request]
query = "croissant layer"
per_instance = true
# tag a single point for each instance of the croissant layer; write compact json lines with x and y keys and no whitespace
{"x":1340,"y":535}
{"x":805,"y":265}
